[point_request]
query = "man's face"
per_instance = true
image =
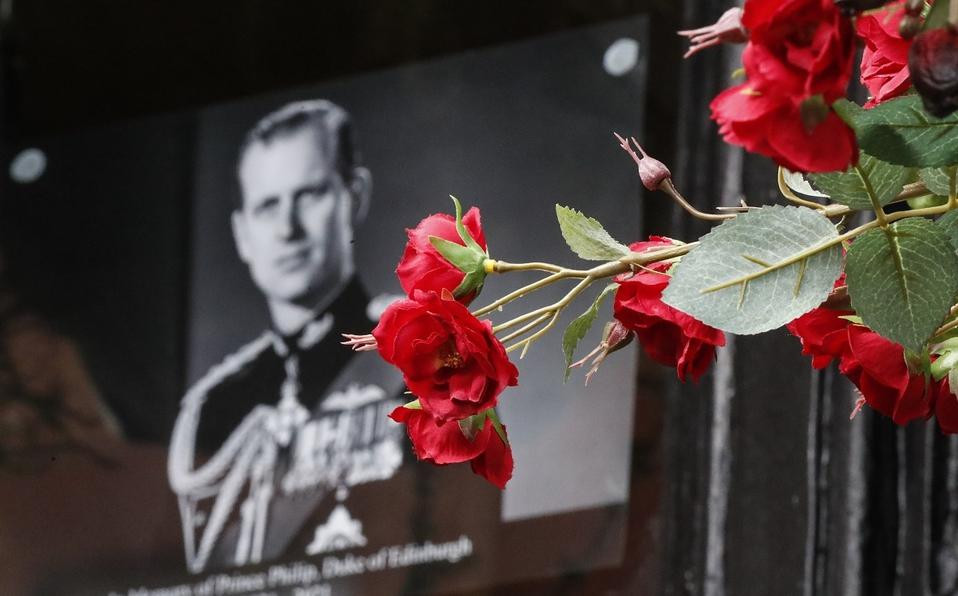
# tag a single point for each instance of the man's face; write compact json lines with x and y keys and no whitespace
{"x":293,"y":230}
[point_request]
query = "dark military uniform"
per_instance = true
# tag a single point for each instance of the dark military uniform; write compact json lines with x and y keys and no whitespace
{"x":285,"y":450}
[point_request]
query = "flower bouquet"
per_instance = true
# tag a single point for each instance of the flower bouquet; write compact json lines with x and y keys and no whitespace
{"x":860,"y":263}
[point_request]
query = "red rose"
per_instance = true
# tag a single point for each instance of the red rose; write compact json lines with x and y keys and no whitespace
{"x":877,"y":367}
{"x":446,"y":443}
{"x":872,"y":363}
{"x":422,"y":267}
{"x":884,"y":68}
{"x":797,"y":62}
{"x":946,"y":408}
{"x":823,"y":334}
{"x":667,"y":335}
{"x":765,"y":121}
{"x":449,"y":359}
{"x":807,"y":40}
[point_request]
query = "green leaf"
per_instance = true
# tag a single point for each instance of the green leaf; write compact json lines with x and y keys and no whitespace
{"x":938,"y":180}
{"x":948,"y":223}
{"x":467,"y":238}
{"x":463,"y":258}
{"x":497,"y":424}
{"x":472,"y":282}
{"x":869,"y":179}
{"x":903,"y":280}
{"x":750,"y":256}
{"x":472,"y":425}
{"x":587,"y":238}
{"x":578,"y":328}
{"x":899,"y":131}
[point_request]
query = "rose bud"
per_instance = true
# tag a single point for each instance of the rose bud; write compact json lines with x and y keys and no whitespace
{"x":652,"y":172}
{"x":728,"y":29}
{"x":449,"y":359}
{"x":933,"y":63}
{"x":615,"y":336}
{"x":424,"y":267}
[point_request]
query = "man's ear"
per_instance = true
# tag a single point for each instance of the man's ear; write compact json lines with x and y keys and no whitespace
{"x":238,"y":222}
{"x":361,"y":187}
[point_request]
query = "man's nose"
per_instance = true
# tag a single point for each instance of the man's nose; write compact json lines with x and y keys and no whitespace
{"x":288,"y":226}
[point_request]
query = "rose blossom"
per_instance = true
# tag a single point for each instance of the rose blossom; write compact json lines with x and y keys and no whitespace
{"x":765,"y":121}
{"x":422,"y":267}
{"x":450,"y":360}
{"x":728,"y":29}
{"x":946,"y":408}
{"x":884,"y":67}
{"x":797,"y":62}
{"x":447,"y":443}
{"x":807,"y":42}
{"x":875,"y":365}
{"x":667,"y":335}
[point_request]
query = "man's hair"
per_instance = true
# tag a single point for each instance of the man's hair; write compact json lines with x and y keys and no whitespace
{"x":332,"y":124}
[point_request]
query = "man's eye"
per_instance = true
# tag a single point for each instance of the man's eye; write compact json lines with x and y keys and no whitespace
{"x":314,"y":193}
{"x":266,"y":208}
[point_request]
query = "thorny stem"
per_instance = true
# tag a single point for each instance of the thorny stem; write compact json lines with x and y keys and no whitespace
{"x":794,"y":198}
{"x":943,"y":330}
{"x":504,"y":267}
{"x":551,"y":312}
{"x":553,"y":309}
{"x":550,"y":309}
{"x":831,"y":210}
{"x":668,"y":188}
{"x":910,"y":191}
{"x":953,"y":323}
{"x":514,"y":295}
{"x":525,"y":329}
{"x":598,"y":272}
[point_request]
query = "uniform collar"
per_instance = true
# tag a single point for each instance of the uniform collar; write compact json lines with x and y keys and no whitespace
{"x":346,"y":313}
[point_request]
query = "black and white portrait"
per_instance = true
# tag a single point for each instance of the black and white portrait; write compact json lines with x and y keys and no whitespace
{"x":254,"y":440}
{"x":289,"y":420}
{"x":298,"y":223}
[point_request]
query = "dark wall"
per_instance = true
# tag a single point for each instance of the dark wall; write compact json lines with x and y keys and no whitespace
{"x":75,"y":63}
